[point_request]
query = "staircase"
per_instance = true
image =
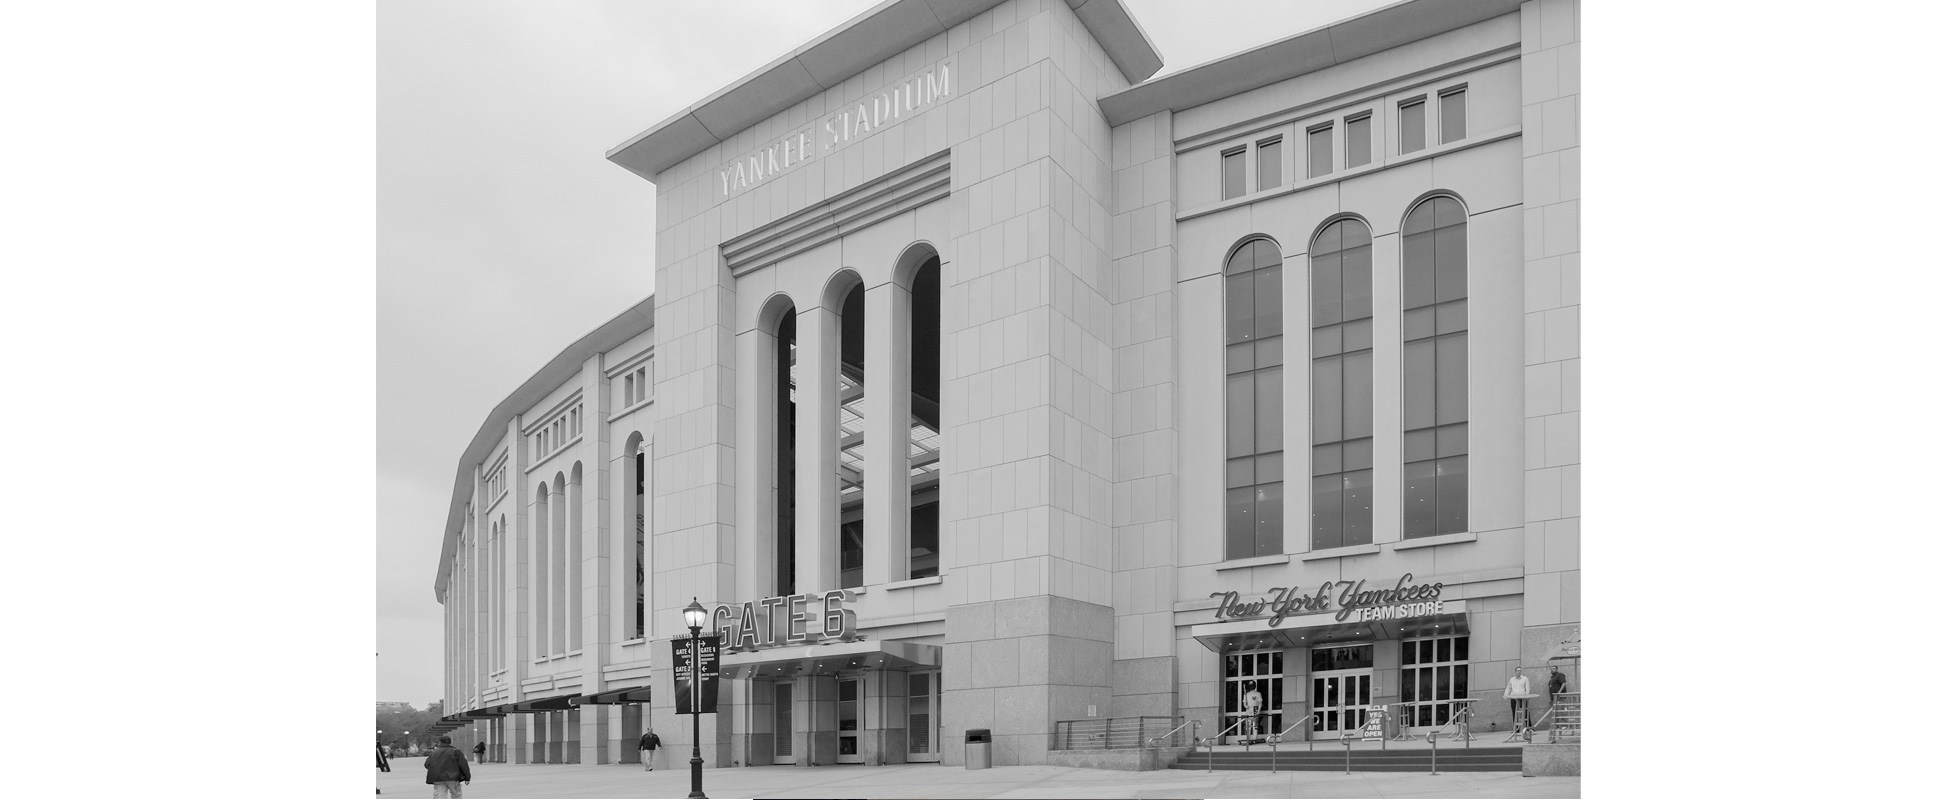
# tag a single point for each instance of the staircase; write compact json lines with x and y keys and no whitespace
{"x":1332,"y":759}
{"x":1566,"y":718}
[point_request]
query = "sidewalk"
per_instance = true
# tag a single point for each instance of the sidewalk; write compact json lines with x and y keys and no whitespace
{"x":932,"y":780}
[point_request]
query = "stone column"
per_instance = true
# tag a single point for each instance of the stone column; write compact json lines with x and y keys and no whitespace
{"x":1551,"y":371}
{"x":886,"y":435}
{"x":817,"y":515}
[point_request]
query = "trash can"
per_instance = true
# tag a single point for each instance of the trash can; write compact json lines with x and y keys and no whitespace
{"x":978,"y":748}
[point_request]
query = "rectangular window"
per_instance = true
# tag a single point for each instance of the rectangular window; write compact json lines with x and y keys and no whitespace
{"x":1358,"y":141}
{"x":1413,"y":126}
{"x":1318,"y":147}
{"x":1233,"y":173}
{"x":1454,"y":115}
{"x":1270,"y":164}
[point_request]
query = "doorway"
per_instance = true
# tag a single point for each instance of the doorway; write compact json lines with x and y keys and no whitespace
{"x":1341,"y":688}
{"x":921,"y":717}
{"x":785,"y":722}
{"x":849,"y":720}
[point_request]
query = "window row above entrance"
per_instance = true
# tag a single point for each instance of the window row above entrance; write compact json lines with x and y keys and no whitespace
{"x":1432,"y":386}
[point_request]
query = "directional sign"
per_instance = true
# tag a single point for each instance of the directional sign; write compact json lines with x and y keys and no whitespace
{"x":692,"y":696}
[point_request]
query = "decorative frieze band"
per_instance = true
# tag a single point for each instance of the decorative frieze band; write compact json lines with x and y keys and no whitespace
{"x":903,"y":189}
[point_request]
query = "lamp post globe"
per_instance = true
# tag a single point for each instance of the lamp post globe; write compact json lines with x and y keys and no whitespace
{"x":696,"y":618}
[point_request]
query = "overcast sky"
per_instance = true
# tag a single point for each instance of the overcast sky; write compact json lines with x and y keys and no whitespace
{"x":504,"y":234}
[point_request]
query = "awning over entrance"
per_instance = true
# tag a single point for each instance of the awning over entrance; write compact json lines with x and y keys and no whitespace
{"x":561,"y":702}
{"x":1306,"y":630}
{"x":634,"y":694}
{"x":828,"y":659}
{"x":484,"y":713}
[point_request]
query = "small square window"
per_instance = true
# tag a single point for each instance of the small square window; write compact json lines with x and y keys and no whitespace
{"x":1270,"y":164}
{"x":1454,"y":115}
{"x":1358,"y":141}
{"x":1413,"y":126}
{"x":1319,"y":142}
{"x":1233,"y":173}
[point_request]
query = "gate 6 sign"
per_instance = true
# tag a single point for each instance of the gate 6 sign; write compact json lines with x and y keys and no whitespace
{"x":791,"y":620}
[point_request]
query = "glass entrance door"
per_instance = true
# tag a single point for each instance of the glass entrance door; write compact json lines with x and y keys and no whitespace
{"x":785,"y":722}
{"x":1341,"y":688}
{"x":1253,"y":693}
{"x":849,"y":716}
{"x":921,"y":717}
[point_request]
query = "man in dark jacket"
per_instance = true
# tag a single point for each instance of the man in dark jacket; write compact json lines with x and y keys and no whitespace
{"x":480,"y":748}
{"x":447,"y":768}
{"x":647,"y":745}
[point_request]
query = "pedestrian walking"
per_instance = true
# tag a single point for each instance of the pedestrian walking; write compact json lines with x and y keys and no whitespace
{"x":447,"y":769}
{"x":480,"y":749}
{"x":647,"y":745}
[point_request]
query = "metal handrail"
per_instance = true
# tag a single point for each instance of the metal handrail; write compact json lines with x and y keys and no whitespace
{"x":1211,"y":742}
{"x":1555,"y":700}
{"x":1172,"y":731}
{"x":1280,"y":737}
{"x":1467,"y":737}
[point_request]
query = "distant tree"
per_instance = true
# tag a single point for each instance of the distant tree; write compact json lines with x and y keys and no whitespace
{"x":435,"y":708}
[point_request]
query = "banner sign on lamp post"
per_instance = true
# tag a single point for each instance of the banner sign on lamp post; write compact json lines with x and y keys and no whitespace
{"x":690,"y":697}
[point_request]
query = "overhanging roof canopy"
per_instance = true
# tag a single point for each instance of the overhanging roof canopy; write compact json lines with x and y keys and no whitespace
{"x":560,"y":702}
{"x":633,"y":694}
{"x":890,"y":28}
{"x":828,"y":659}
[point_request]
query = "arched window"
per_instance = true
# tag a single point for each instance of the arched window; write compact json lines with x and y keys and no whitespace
{"x":1253,"y":296}
{"x":778,"y":387}
{"x":1342,"y":385}
{"x":635,"y":520}
{"x":540,"y":577}
{"x":559,"y":604}
{"x":925,"y":422}
{"x":574,"y":559}
{"x":852,"y":387}
{"x":1435,"y":239}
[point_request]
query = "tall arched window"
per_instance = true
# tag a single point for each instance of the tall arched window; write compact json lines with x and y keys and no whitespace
{"x":574,"y":559}
{"x":1253,"y":296}
{"x":851,"y":418}
{"x":635,"y":521}
{"x":925,"y":423}
{"x":540,"y":577}
{"x":1342,"y":385}
{"x":1436,"y":368}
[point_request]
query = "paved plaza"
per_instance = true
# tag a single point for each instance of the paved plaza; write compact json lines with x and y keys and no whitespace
{"x":932,"y":780}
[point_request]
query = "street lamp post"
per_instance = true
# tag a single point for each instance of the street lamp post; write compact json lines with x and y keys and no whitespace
{"x":696,"y":618}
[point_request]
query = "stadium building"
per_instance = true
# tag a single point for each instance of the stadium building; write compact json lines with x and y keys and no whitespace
{"x":994,"y":381}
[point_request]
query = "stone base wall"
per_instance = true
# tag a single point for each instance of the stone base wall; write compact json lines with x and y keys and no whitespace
{"x":1551,"y":759}
{"x":1131,"y":759}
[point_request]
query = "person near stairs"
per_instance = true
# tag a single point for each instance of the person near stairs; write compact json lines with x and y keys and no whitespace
{"x":1517,"y":693}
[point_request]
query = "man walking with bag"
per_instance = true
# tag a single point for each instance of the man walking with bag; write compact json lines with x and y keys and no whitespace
{"x":448,"y":769}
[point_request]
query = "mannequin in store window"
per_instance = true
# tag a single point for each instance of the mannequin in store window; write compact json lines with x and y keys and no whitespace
{"x":1253,"y":706}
